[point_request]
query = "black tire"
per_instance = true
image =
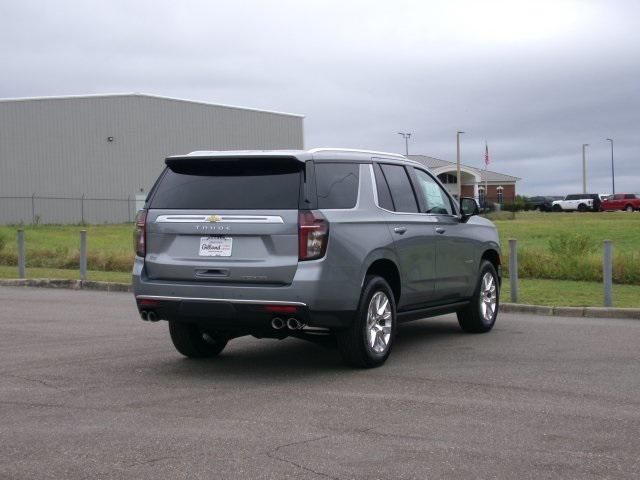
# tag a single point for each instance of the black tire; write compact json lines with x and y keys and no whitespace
{"x":353,"y":342}
{"x":557,"y":208}
{"x":470,"y":318}
{"x":628,"y":208}
{"x":193,"y":342}
{"x":582,"y":207}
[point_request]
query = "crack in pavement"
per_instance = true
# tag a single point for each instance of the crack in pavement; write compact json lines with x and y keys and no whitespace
{"x":272,"y":454}
{"x":34,"y":380}
{"x":150,"y":461}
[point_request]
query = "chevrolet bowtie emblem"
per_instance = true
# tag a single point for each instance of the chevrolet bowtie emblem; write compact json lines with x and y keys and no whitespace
{"x":214,"y":218}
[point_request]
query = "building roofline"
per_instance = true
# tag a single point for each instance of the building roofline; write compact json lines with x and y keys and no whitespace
{"x":480,"y":170}
{"x":147,"y":95}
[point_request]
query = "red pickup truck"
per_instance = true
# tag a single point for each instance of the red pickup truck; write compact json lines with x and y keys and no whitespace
{"x":622,"y":201}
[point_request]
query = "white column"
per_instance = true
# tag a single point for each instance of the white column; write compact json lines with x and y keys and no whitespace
{"x":476,"y":195}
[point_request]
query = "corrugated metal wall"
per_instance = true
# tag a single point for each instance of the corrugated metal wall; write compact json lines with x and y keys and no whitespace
{"x":59,"y":147}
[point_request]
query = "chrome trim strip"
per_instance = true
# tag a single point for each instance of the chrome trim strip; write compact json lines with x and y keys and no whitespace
{"x":227,"y":300}
{"x":223,"y":219}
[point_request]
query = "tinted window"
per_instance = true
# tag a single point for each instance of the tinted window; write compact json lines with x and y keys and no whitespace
{"x":435,"y":199}
{"x":241,"y":184}
{"x":629,"y":196}
{"x":337,"y":184}
{"x":404,"y":199}
{"x":574,"y":197}
{"x":384,"y":195}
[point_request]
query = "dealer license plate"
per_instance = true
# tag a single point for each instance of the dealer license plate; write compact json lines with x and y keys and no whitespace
{"x":216,"y":246}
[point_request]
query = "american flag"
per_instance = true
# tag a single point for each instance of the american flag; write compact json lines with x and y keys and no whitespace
{"x":486,"y":154}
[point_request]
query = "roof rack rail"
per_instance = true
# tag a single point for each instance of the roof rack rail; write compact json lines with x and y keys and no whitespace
{"x":356,"y":150}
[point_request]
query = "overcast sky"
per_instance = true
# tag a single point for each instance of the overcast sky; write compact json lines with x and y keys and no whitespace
{"x":535,"y":79}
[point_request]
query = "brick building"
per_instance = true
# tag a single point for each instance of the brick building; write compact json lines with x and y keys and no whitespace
{"x":478,"y":183}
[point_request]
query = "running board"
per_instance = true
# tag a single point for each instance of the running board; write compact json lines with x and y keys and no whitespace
{"x":409,"y":315}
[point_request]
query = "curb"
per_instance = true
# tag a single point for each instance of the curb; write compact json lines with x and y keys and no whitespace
{"x":69,"y":284}
{"x":593,"y":312}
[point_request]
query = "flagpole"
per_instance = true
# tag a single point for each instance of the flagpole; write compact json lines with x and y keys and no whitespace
{"x":486,"y":165}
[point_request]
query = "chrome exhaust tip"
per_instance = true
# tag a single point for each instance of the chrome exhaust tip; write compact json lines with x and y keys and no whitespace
{"x":277,"y":323}
{"x":152,"y":317}
{"x":294,"y":324}
{"x":143,"y":315}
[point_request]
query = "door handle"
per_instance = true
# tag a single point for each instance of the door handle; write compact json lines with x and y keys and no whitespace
{"x":400,"y":230}
{"x":440,"y":230}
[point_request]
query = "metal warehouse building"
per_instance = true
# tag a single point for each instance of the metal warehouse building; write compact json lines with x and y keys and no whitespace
{"x":86,"y":158}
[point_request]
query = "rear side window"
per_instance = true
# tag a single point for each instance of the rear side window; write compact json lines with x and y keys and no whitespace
{"x":630,"y":196}
{"x":384,"y":195}
{"x":230,"y":185}
{"x":402,"y":194}
{"x":337,"y":184}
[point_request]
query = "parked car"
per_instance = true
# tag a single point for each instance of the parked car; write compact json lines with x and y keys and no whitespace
{"x":581,"y":202}
{"x":543,"y":204}
{"x":622,"y":201}
{"x":311,"y":244}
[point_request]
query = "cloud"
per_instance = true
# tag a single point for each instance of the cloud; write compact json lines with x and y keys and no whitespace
{"x":534,"y":79}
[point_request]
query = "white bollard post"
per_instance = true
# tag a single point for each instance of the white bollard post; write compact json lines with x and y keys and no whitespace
{"x":513,"y":269}
{"x":22,"y":255}
{"x":607,"y":273}
{"x":83,"y":255}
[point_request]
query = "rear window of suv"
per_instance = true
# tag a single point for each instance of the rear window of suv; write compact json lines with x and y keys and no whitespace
{"x":337,"y":184}
{"x":230,"y":185}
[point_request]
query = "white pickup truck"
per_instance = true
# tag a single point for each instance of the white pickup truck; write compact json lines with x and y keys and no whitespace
{"x":581,"y":202}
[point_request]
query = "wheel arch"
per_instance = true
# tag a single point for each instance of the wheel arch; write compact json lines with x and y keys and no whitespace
{"x":493,"y":256}
{"x":387,"y":269}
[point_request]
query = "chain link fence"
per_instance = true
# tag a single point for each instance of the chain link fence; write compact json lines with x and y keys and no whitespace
{"x":42,"y":209}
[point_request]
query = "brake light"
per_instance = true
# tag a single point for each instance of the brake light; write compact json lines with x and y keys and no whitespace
{"x":313,"y":235}
{"x":140,"y":234}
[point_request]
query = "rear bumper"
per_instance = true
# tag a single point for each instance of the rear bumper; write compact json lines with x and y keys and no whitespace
{"x":319,"y":301}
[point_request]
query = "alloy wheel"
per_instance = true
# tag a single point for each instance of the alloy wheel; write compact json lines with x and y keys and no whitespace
{"x":379,"y":322}
{"x":488,"y":297}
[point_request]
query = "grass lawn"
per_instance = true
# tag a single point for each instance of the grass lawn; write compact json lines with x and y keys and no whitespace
{"x":110,"y":247}
{"x":534,"y":229}
{"x":567,"y":293}
{"x":53,"y":251}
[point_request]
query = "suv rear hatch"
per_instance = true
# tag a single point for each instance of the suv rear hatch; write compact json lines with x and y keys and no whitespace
{"x":225,"y":220}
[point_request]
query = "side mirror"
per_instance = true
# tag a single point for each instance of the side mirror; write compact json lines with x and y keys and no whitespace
{"x":469,"y":207}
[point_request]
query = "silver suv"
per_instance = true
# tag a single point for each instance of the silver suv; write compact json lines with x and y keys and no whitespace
{"x":325,"y":245}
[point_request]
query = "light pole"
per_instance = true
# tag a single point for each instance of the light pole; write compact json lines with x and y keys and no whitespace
{"x":584,"y":168}
{"x":458,"y":133}
{"x":406,"y":136}
{"x":613,"y":172}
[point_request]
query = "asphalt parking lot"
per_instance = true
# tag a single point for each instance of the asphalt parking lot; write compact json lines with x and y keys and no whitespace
{"x":89,"y":391}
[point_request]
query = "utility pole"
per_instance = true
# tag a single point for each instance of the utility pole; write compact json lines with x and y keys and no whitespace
{"x":584,"y":168}
{"x":406,"y":136}
{"x":458,"y":165}
{"x":613,"y":173}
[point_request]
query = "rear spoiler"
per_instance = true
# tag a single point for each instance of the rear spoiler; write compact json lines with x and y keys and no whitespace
{"x":207,"y":159}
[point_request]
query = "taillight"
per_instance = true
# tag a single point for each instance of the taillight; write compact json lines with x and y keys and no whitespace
{"x":313,"y":235}
{"x":140,"y":234}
